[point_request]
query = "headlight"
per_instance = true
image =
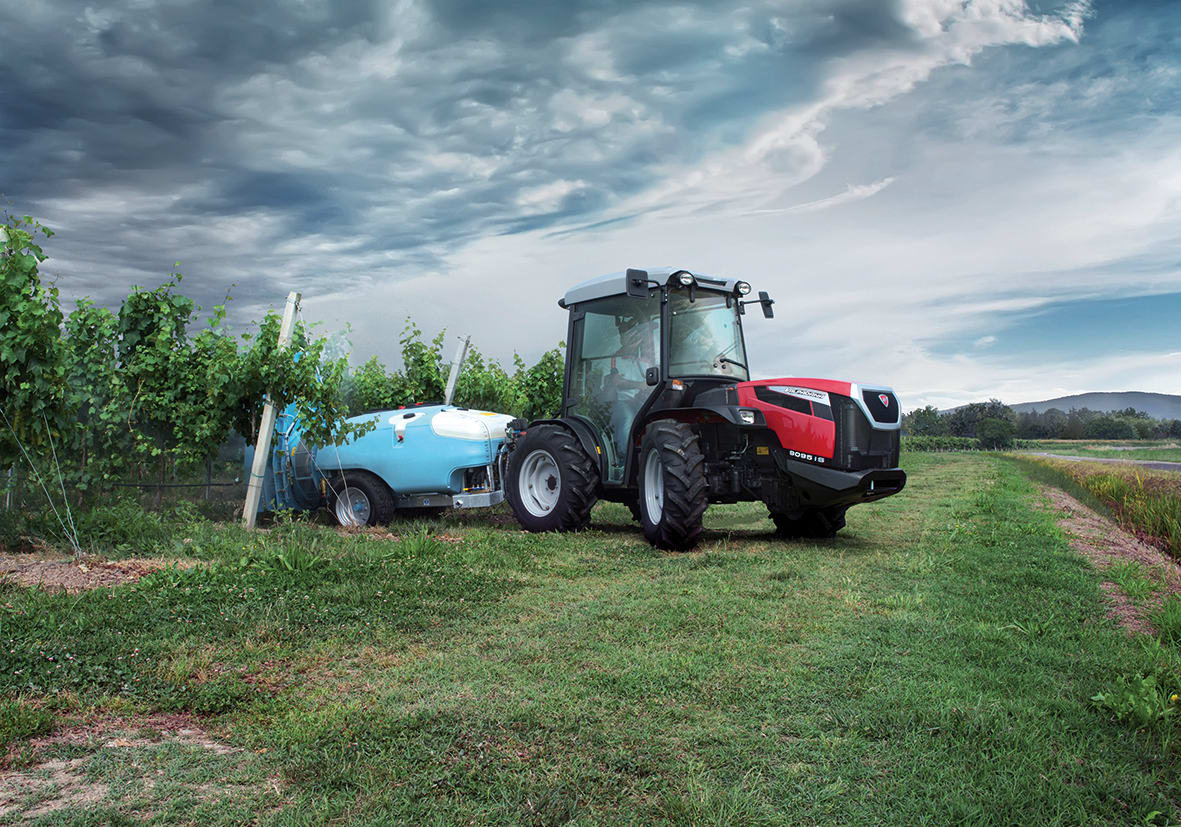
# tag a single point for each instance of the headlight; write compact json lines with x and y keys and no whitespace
{"x":742,"y":288}
{"x":686,"y":279}
{"x":747,"y":417}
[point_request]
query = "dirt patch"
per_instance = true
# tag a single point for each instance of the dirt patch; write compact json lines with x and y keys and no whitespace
{"x":54,"y":785}
{"x":1106,"y":544}
{"x":54,"y":776}
{"x":71,"y":574}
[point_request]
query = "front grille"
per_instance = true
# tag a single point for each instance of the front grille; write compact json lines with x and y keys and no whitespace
{"x":884,"y":412}
{"x":860,"y":446}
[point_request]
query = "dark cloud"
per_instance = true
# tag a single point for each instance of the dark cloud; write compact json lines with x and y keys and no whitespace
{"x":324,"y":145}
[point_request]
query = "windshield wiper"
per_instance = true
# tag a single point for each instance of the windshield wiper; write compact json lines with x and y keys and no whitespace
{"x":731,"y":361}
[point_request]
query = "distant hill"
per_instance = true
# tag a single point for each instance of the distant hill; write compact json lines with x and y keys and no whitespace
{"x":1157,"y":405}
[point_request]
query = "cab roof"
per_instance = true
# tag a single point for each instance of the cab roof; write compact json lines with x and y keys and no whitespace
{"x":614,"y":284}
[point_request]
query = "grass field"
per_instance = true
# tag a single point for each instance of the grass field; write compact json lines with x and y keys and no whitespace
{"x":935,"y":664}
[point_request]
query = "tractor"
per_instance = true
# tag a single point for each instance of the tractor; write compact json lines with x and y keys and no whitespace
{"x":659,"y":413}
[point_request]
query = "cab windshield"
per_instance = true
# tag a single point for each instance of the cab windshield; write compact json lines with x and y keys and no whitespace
{"x":705,"y":337}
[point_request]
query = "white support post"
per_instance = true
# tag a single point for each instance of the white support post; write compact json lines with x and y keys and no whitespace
{"x":460,"y":355}
{"x":262,"y":448}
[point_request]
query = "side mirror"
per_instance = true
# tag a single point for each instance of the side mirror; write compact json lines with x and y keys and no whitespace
{"x":652,"y":376}
{"x":637,"y":283}
{"x":766,"y":301}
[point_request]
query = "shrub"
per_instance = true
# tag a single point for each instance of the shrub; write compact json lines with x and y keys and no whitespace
{"x":994,"y":433}
{"x":939,"y":443}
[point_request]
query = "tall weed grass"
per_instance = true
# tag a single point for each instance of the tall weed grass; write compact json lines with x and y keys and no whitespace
{"x":1142,"y":501}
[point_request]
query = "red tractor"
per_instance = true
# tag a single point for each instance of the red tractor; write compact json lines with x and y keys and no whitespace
{"x":659,"y":412}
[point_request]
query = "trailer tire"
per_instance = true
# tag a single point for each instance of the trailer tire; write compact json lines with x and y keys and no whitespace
{"x":364,"y":496}
{"x":815,"y":524}
{"x":672,"y":485}
{"x":551,"y":482}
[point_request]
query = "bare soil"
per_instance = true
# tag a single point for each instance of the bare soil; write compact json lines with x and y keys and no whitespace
{"x":1104,"y":543}
{"x":56,"y":572}
{"x":46,"y":784}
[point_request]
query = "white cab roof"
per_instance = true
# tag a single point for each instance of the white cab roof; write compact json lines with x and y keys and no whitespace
{"x":614,"y":284}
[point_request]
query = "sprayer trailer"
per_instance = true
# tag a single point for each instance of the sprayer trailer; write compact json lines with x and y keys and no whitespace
{"x":659,"y":412}
{"x":416,"y":461}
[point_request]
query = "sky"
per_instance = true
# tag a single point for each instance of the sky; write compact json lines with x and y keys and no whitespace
{"x":963,"y":200}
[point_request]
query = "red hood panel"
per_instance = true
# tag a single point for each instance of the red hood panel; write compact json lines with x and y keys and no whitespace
{"x":810,"y":437}
{"x":827,"y":385}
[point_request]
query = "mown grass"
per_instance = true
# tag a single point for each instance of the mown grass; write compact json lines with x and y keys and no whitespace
{"x":1144,"y":501}
{"x":934,"y":664}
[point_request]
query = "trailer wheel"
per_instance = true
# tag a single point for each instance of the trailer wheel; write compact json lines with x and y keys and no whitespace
{"x":816,"y":524}
{"x":550,"y":481}
{"x":360,"y":498}
{"x":672,"y":485}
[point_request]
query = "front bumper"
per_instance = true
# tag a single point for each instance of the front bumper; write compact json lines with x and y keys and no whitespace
{"x":824,"y":487}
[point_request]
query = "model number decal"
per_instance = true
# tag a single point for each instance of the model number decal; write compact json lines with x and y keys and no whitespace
{"x":801,"y":393}
{"x":807,"y":457}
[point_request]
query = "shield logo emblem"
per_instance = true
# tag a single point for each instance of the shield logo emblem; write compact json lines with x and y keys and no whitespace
{"x":885,"y":399}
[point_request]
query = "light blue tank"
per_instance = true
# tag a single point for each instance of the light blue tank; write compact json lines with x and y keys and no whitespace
{"x":437,"y":455}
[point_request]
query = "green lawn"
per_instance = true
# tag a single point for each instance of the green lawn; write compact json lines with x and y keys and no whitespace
{"x":1161,"y":454}
{"x":932,"y":665}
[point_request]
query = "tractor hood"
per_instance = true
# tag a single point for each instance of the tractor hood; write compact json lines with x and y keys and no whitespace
{"x":813,"y":396}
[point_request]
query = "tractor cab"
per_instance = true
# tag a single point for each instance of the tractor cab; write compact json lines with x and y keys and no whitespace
{"x":634,"y":336}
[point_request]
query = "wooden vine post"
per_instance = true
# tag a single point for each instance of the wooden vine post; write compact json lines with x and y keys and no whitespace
{"x":262,"y":447}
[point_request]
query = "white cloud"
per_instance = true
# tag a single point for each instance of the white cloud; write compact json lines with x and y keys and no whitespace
{"x":852,"y":192}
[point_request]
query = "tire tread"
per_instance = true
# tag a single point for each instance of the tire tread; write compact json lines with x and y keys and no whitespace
{"x":685,"y":485}
{"x":579,"y":483}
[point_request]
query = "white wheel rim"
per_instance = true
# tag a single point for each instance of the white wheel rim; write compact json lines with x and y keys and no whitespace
{"x":352,"y":507}
{"x":654,"y":486}
{"x":540,"y":483}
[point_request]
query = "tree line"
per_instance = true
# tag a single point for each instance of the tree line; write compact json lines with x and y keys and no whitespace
{"x":997,"y":424}
{"x":149,"y":388}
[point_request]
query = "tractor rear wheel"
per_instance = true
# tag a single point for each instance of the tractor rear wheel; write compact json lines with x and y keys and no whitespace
{"x":673,"y":493}
{"x":551,"y":482}
{"x":816,"y":524}
{"x":359,"y":499}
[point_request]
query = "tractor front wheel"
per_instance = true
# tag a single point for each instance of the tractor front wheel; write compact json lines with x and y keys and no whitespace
{"x":551,"y":482}
{"x":672,"y":485}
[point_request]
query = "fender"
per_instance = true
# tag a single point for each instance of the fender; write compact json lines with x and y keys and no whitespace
{"x":584,"y":433}
{"x":701,"y":413}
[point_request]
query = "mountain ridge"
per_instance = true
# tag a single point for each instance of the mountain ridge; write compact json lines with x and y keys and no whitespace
{"x":1156,"y":405}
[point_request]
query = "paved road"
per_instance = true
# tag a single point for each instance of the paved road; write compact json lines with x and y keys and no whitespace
{"x":1155,"y":465}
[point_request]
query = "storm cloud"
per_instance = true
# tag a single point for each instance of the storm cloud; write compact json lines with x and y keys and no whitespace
{"x":377,"y":156}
